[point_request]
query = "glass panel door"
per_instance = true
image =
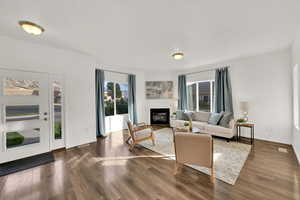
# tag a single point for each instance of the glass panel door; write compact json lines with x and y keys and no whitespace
{"x":24,"y":109}
{"x":57,"y":110}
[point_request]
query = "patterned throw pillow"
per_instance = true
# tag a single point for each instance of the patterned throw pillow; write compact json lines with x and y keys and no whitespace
{"x":226,"y":117}
{"x":215,"y":118}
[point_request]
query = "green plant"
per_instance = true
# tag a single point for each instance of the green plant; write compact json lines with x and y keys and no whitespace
{"x":14,"y":138}
{"x":241,"y":120}
{"x":186,"y":124}
{"x":57,"y":130}
{"x":174,"y":113}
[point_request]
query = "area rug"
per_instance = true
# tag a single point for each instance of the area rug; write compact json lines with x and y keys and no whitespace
{"x":229,"y":157}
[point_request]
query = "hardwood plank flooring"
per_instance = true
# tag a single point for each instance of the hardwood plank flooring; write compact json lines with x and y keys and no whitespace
{"x":108,"y":170}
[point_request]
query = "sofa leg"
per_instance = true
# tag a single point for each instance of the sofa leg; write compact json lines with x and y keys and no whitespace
{"x":228,"y":140}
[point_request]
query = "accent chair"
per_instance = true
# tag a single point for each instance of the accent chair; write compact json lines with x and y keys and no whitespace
{"x":139,"y":132}
{"x":193,"y":149}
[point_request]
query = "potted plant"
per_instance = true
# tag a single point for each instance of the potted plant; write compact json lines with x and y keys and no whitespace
{"x":187,"y":125}
{"x":241,"y":120}
{"x":174,"y":115}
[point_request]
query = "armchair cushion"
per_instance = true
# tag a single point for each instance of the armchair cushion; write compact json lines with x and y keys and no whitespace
{"x":143,"y":133}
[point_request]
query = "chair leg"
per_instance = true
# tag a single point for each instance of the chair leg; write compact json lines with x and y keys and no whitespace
{"x":178,"y":168}
{"x":153,"y":139}
{"x":127,"y":140}
{"x":131,"y":146}
{"x":212,"y":176}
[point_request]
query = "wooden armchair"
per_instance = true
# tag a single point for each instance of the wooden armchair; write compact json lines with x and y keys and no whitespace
{"x":138,"y":133}
{"x":193,"y":149}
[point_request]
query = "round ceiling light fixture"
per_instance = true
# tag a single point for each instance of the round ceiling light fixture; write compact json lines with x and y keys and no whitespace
{"x":31,"y":28}
{"x":178,"y":55}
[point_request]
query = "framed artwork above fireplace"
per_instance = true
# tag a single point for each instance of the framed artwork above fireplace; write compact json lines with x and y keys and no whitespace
{"x":159,"y":89}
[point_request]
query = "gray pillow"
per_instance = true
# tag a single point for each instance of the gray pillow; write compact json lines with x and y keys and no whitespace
{"x":226,"y":117}
{"x":188,"y":115}
{"x":201,"y":116}
{"x":181,"y":115}
{"x":215,"y":118}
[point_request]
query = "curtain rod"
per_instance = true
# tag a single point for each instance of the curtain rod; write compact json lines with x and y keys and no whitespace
{"x":117,"y":72}
{"x":206,"y":70}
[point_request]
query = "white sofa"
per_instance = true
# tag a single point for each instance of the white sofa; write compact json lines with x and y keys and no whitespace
{"x":200,"y":120}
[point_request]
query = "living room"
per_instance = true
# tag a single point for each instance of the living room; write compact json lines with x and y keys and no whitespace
{"x":96,"y":157}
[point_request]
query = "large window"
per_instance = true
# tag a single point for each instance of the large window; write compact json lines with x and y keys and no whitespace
{"x":200,"y":96}
{"x":115,"y":98}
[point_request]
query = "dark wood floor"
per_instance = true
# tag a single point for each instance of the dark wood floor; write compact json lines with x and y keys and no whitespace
{"x":107,"y":170}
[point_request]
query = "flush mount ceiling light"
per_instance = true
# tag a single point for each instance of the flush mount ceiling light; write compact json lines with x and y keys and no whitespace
{"x":178,"y":56}
{"x":31,"y":28}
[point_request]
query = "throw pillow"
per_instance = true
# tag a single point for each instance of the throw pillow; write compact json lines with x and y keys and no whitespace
{"x":181,"y":115}
{"x":201,"y":116}
{"x":215,"y":118}
{"x":226,"y":117}
{"x":189,"y":115}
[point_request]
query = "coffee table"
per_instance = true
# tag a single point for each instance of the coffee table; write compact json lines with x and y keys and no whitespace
{"x":194,"y":130}
{"x":197,"y":130}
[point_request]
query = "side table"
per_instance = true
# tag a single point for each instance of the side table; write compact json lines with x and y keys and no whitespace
{"x":246,"y":125}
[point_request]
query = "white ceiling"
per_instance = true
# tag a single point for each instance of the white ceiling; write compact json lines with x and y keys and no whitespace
{"x":143,"y":34}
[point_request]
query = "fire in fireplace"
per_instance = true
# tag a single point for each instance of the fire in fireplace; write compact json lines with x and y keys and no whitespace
{"x":160,"y":116}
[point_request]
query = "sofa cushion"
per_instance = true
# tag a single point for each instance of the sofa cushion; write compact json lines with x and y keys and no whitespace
{"x":200,"y":125}
{"x":226,"y":117}
{"x":217,"y":130}
{"x":200,"y":116}
{"x":214,"y":118}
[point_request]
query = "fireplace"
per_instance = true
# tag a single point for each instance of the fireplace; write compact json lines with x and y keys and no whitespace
{"x":160,"y":116}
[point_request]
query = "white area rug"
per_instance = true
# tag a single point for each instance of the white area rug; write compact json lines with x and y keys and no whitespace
{"x":229,"y":157}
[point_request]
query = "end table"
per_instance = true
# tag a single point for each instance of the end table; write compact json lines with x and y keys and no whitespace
{"x":246,"y":125}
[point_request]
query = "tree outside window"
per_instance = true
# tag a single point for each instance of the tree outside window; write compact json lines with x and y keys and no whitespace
{"x":109,"y":103}
{"x":115,"y":98}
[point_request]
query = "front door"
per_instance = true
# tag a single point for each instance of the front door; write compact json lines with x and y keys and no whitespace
{"x":24,"y":109}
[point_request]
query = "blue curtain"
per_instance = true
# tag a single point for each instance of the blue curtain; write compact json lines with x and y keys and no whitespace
{"x":182,"y":93}
{"x":132,"y":98}
{"x":223,"y":93}
{"x":100,"y":112}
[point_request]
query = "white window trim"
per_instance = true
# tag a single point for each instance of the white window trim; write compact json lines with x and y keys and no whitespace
{"x":197,"y":92}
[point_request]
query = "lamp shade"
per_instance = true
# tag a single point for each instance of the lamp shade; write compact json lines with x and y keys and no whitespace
{"x":244,"y":106}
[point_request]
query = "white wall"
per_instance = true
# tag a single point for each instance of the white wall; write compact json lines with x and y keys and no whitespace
{"x":296,"y":60}
{"x":265,"y":81}
{"x":79,"y":73}
{"x":160,"y":103}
